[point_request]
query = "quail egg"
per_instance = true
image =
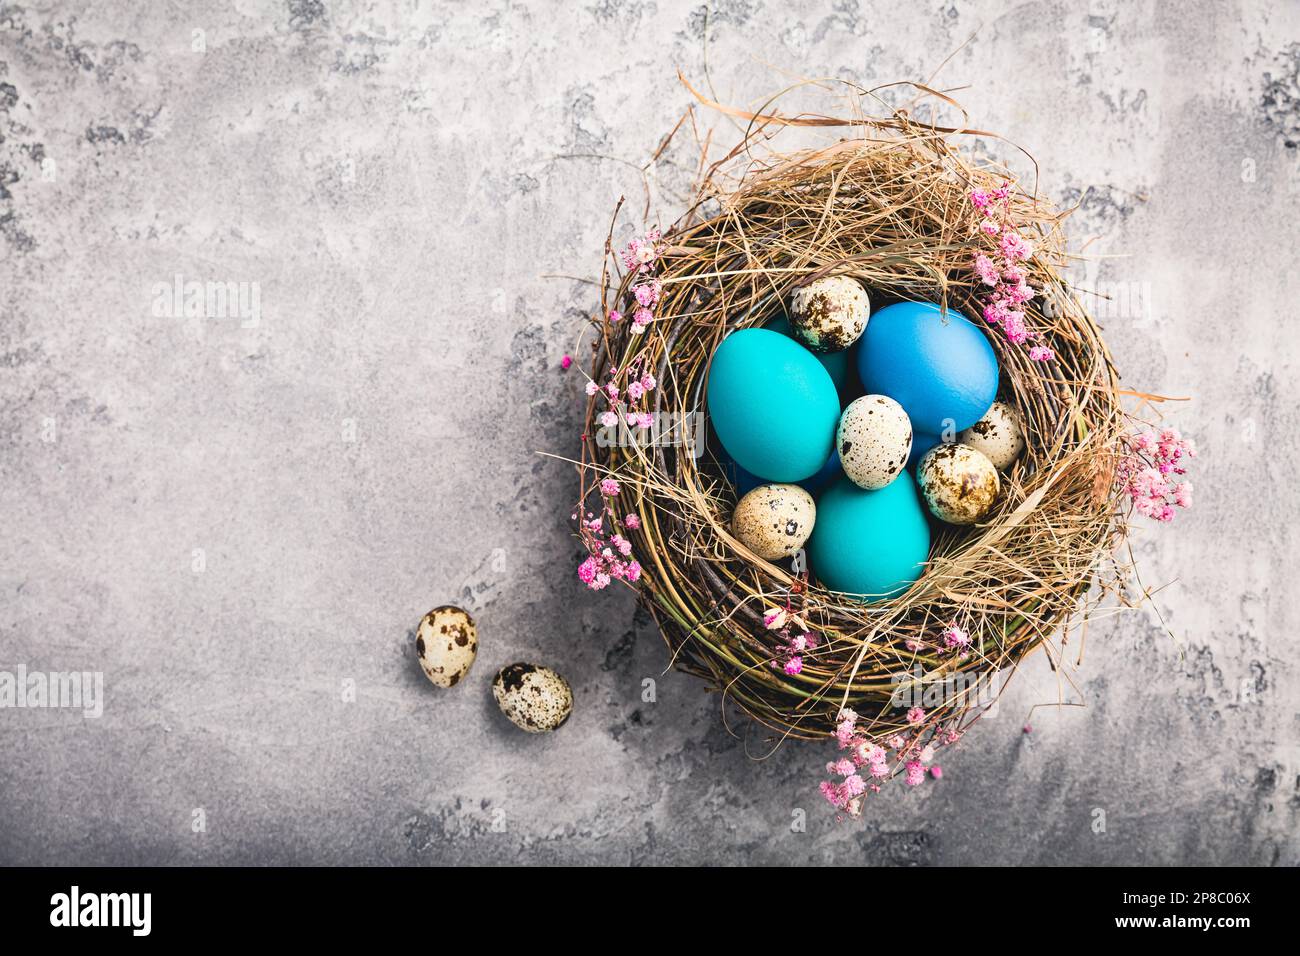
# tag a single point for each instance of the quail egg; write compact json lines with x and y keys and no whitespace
{"x":874,"y":440}
{"x":829,"y":314}
{"x":959,"y":484}
{"x":447,"y":643}
{"x":774,"y":521}
{"x":1000,"y":434}
{"x":535,"y":698}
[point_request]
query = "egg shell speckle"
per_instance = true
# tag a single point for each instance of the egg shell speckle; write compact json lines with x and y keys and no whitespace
{"x":774,"y":521}
{"x":535,"y":698}
{"x":830,"y":314}
{"x":959,"y":484}
{"x":446,"y":643}
{"x":1000,"y":435}
{"x":874,"y":439}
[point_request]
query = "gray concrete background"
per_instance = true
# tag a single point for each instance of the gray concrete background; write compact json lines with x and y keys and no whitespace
{"x":397,"y":179}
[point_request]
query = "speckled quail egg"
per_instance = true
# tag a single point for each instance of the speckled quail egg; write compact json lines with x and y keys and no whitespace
{"x":958,"y":483}
{"x":447,"y":643}
{"x":1000,"y":434}
{"x":535,"y":698}
{"x":774,"y":521}
{"x":829,"y":314}
{"x":874,"y":439}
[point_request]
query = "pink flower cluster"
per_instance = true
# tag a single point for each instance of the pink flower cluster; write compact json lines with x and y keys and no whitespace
{"x":868,"y":762}
{"x":609,"y":553}
{"x":623,"y":401}
{"x":794,"y":643}
{"x":1148,"y":473}
{"x":1001,"y":269}
{"x":640,"y":258}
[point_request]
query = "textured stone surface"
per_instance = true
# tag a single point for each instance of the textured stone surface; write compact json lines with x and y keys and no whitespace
{"x":398,"y":182}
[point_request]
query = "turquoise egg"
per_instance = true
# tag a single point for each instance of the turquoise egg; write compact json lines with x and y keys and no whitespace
{"x":773,"y":405}
{"x":872,"y":544}
{"x":841,"y":366}
{"x":939,"y":367}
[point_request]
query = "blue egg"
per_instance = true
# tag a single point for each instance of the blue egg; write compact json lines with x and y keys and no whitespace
{"x":841,"y":366}
{"x":772,"y":404}
{"x":830,"y":471}
{"x":939,"y":367}
{"x":871,"y":544}
{"x":921,"y":443}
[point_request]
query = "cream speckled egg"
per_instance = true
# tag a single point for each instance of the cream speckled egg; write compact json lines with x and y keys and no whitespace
{"x":874,"y":440}
{"x":958,"y":483}
{"x":774,"y":521}
{"x":447,"y":643}
{"x":535,"y":698}
{"x":829,"y":314}
{"x":1000,"y":434}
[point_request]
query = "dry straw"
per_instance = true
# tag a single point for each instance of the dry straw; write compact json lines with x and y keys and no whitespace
{"x":889,"y":205}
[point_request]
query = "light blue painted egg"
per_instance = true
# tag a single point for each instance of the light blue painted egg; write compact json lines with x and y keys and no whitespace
{"x":939,"y":367}
{"x":841,"y":366}
{"x":772,"y":404}
{"x":870,"y":543}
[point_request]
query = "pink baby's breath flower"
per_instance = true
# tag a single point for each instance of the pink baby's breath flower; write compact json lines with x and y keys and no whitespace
{"x":566,"y":362}
{"x":633,"y":571}
{"x":609,"y":487}
{"x":644,"y":419}
{"x":635,"y":390}
{"x":915,"y":716}
{"x":915,"y":773}
{"x":609,"y":419}
{"x":587,"y":571}
{"x":592,"y":388}
{"x":844,"y":767}
{"x":648,"y":382}
{"x":986,"y":270}
{"x":615,"y":316}
{"x":1014,"y":247}
{"x":937,"y":772}
{"x":1041,"y":353}
{"x":632,"y":522}
{"x":794,"y":665}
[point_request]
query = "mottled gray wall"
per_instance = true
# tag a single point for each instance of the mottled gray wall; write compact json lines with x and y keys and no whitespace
{"x":397,"y":181}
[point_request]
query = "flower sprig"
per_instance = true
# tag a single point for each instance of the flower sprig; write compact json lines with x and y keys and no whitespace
{"x":869,"y":762}
{"x":1001,"y":269}
{"x":625,"y":392}
{"x":1148,"y":471}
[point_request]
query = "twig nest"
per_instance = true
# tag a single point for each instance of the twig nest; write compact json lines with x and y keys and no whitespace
{"x":1000,"y":435}
{"x":874,"y":440}
{"x":959,"y":484}
{"x":830,"y":314}
{"x":774,"y":521}
{"x":535,"y":698}
{"x":446,"y":643}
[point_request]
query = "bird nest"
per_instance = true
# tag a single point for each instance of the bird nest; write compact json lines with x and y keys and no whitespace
{"x":890,"y":205}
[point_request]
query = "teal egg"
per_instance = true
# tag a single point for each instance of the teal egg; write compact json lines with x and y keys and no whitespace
{"x":872,"y":544}
{"x":939,"y":367}
{"x":772,"y":405}
{"x":842,"y":367}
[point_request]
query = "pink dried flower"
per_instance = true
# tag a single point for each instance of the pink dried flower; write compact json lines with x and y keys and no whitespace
{"x":615,"y":316}
{"x":986,"y":270}
{"x":937,"y":772}
{"x":794,"y":665}
{"x":566,"y":362}
{"x":609,"y":487}
{"x":1041,"y":353}
{"x":632,"y":522}
{"x":915,"y":773}
{"x":609,"y":419}
{"x":916,"y":716}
